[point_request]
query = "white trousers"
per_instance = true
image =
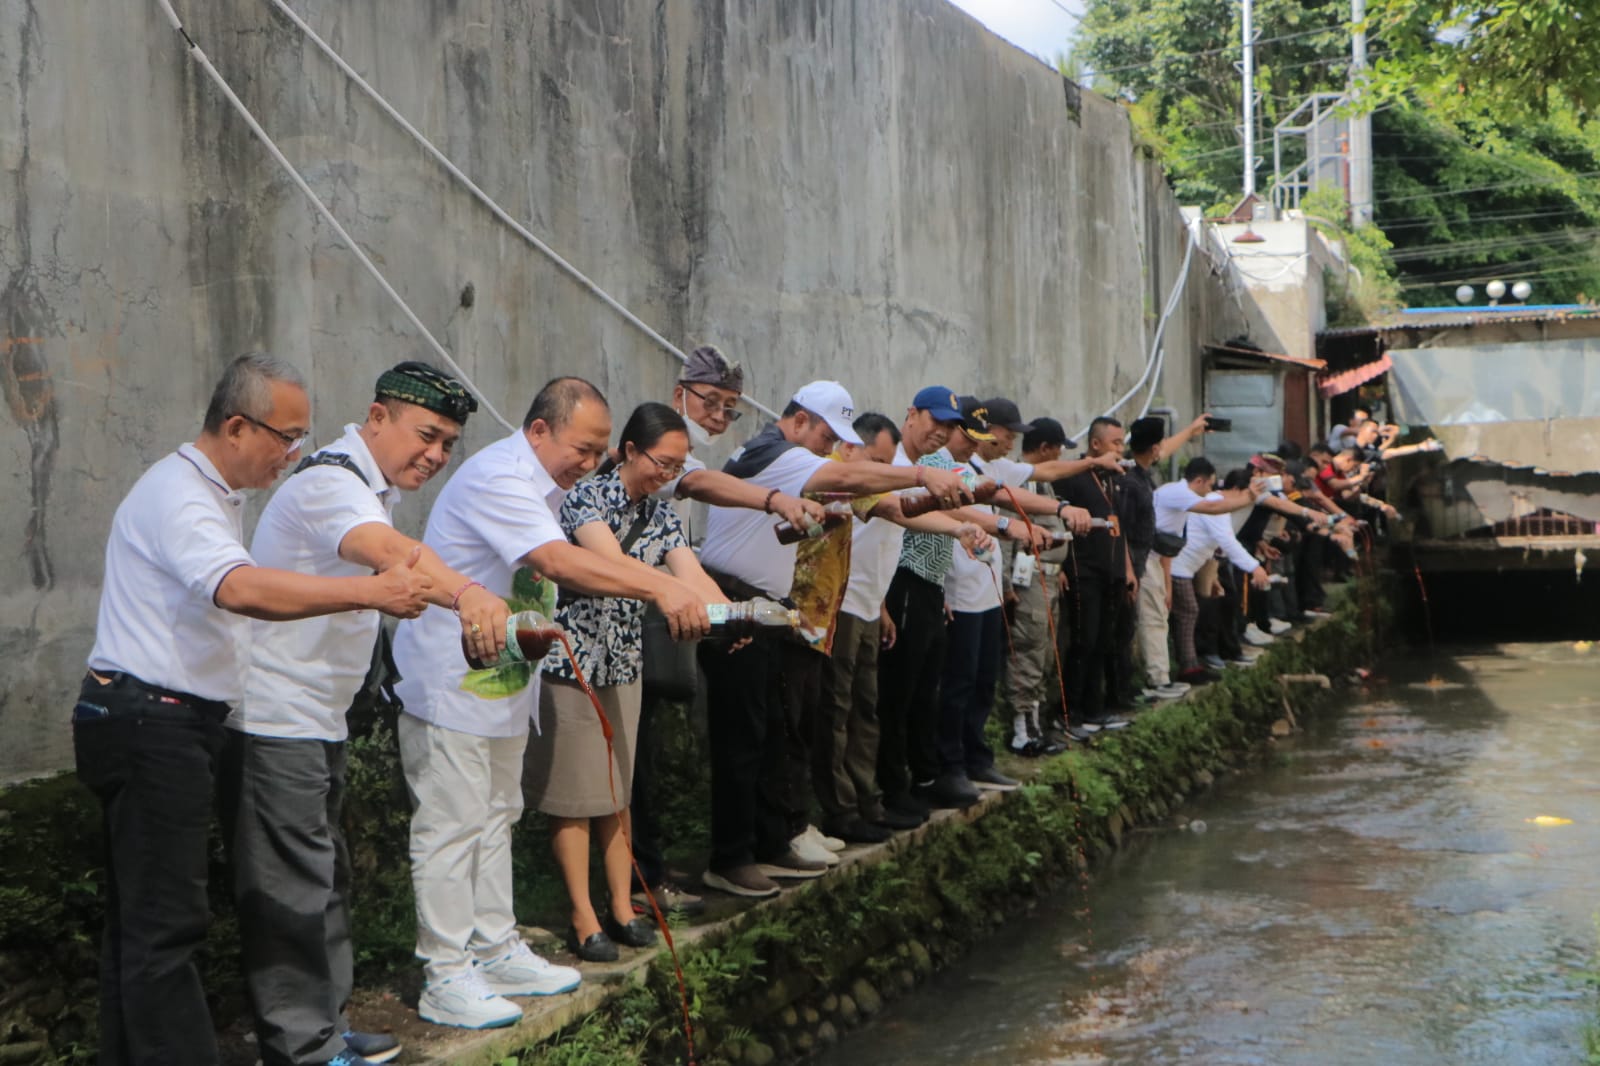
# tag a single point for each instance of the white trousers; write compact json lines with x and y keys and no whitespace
{"x":1153,"y":622}
{"x":466,"y":794}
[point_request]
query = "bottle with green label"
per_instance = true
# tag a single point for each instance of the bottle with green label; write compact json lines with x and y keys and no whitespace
{"x":529,"y":636}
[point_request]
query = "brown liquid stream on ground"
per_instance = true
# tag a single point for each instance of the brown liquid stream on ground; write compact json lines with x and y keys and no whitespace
{"x":627,"y":835}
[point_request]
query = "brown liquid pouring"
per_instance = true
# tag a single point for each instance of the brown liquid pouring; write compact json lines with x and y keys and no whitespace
{"x":533,"y":642}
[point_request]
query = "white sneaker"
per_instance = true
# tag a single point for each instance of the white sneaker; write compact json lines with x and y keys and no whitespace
{"x":1170,"y":692}
{"x":812,"y":850}
{"x":1253,"y":635}
{"x":1279,"y":625}
{"x":520,"y":972}
{"x":467,"y":1002}
{"x":833,"y":844}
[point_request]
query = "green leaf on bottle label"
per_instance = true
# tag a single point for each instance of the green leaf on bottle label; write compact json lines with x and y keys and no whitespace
{"x":498,"y":682}
{"x":529,"y":593}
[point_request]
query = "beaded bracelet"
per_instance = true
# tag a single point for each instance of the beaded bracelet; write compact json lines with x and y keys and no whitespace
{"x":455,"y":601}
{"x":766,"y":504}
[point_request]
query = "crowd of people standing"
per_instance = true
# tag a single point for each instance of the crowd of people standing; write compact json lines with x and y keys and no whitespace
{"x":932,"y":572}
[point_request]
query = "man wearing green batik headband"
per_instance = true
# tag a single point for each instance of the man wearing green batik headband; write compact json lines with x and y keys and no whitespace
{"x":283,"y":762}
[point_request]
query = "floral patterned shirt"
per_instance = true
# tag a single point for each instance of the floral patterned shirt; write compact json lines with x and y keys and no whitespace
{"x":607,"y":632}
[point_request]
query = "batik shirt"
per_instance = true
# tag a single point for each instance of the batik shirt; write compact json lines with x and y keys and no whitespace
{"x":928,"y":555}
{"x":607,"y":632}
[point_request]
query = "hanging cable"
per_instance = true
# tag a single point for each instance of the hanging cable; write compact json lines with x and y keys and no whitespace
{"x":327,"y":216}
{"x":1161,"y":327}
{"x":494,"y":208}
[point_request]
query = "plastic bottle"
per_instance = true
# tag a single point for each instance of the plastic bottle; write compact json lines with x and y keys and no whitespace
{"x":529,"y":635}
{"x":734,"y":621}
{"x":834,"y":515}
{"x":914,"y":502}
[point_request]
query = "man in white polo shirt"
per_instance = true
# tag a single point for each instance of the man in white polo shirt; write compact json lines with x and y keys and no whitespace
{"x":463,"y":753}
{"x":845,"y":744}
{"x":283,"y":762}
{"x":171,"y":645}
{"x":755,"y":696}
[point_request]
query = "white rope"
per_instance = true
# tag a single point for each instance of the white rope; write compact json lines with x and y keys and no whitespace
{"x":327,"y":216}
{"x":484,"y":198}
{"x":1157,"y":353}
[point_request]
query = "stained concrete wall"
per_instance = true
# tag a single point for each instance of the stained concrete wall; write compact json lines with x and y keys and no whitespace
{"x":879,"y":191}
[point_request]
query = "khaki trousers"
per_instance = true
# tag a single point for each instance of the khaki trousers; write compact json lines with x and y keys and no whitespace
{"x":466,"y":794}
{"x":1153,"y":623}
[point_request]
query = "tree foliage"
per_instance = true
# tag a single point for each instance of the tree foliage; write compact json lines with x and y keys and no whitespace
{"x":1484,"y":148}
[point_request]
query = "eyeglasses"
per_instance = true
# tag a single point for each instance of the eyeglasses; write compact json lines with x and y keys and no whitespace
{"x":290,"y":441}
{"x":729,"y":410}
{"x":668,"y":469}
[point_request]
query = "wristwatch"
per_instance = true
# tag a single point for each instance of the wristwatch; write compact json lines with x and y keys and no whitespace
{"x":1002,"y":524}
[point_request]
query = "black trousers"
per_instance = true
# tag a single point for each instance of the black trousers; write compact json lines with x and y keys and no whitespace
{"x":966,"y":691}
{"x":282,"y":801}
{"x":759,"y":700}
{"x":908,"y":686}
{"x":150,"y":758}
{"x":644,"y":815}
{"x":1097,"y":602}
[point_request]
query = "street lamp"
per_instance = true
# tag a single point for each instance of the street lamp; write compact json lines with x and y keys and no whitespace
{"x":1495,"y":289}
{"x":1464,"y":294}
{"x":1522,"y":290}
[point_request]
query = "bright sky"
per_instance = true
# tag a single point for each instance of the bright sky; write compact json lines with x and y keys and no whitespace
{"x":1037,"y":26}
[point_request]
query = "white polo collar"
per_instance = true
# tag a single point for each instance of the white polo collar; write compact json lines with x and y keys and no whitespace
{"x":208,"y":470}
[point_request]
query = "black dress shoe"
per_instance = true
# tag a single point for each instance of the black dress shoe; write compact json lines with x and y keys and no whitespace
{"x":894,"y":818}
{"x":638,"y":933}
{"x":1053,"y":743}
{"x":856,"y":831}
{"x":596,"y":948}
{"x":990,"y":778}
{"x":950,"y":790}
{"x":906,"y":803}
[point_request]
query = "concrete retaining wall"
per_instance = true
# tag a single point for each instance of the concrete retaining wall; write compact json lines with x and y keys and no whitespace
{"x":879,"y":192}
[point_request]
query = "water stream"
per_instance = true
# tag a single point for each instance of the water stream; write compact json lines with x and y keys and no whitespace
{"x":1379,"y":897}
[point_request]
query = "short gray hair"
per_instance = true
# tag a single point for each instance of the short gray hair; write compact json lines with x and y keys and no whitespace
{"x":246,"y":388}
{"x":559,"y":398}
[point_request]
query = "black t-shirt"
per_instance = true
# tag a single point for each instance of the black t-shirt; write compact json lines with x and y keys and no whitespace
{"x":1098,"y":552}
{"x":1137,"y":510}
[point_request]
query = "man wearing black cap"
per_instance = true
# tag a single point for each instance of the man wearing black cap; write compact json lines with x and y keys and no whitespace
{"x":1032,"y":591}
{"x":283,"y":760}
{"x":973,"y":601}
{"x":707,"y":396}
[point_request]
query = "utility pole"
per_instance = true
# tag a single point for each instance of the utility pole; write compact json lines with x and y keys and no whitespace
{"x":1360,"y":121}
{"x":1250,"y":99}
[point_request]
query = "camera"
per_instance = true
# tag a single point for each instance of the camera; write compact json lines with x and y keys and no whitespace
{"x":1218,"y":425}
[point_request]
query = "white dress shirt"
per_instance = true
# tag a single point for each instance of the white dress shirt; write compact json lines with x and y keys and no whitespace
{"x":497,"y":508}
{"x":1207,"y":533}
{"x":303,"y":674}
{"x":874,"y":554}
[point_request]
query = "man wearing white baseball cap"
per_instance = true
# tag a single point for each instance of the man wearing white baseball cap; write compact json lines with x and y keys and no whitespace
{"x":756,"y":696}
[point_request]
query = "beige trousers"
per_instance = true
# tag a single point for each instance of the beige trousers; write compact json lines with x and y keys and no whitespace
{"x":1153,"y":623}
{"x":466,"y":794}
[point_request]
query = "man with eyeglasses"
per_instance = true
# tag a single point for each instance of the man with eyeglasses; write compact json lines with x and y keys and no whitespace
{"x":760,"y":697}
{"x":171,"y":645}
{"x":462,"y":752}
{"x":283,"y":762}
{"x":707,"y":395}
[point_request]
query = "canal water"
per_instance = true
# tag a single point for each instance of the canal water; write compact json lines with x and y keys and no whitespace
{"x":1379,"y":896}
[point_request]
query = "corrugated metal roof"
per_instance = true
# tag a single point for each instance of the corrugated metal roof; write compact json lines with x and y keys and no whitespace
{"x":1342,"y":382}
{"x":1270,"y":357}
{"x":1420,"y":318}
